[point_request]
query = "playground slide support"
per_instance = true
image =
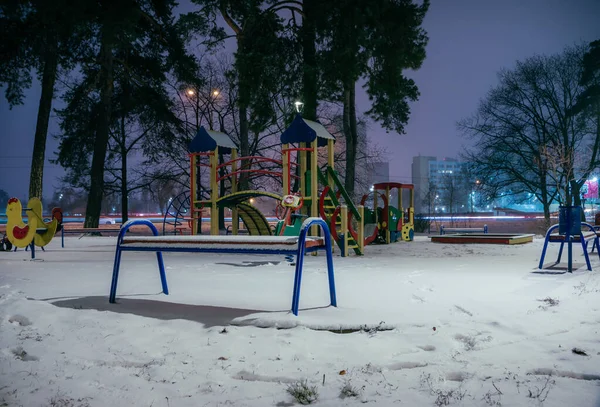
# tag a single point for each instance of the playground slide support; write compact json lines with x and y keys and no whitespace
{"x":286,"y":167}
{"x":314,"y":185}
{"x":235,"y":219}
{"x":361,"y":228}
{"x":303,"y":173}
{"x":193,"y":175}
{"x":344,"y":227}
{"x":214,"y":193}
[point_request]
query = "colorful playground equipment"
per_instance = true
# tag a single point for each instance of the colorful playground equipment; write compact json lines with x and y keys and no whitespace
{"x":36,"y":232}
{"x":320,"y":192}
{"x":390,"y":223}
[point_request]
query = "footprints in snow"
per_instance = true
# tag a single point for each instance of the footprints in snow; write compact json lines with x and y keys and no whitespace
{"x":464,"y":311}
{"x":406,"y":365}
{"x":563,"y":373}
{"x":18,"y":352}
{"x":470,"y":341}
{"x":19,"y":319}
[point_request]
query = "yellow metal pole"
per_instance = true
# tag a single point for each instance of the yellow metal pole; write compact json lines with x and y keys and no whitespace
{"x":400,"y":199}
{"x":401,"y":209}
{"x":214,"y":193}
{"x":314,"y":186}
{"x":388,"y":237}
{"x":375,"y":203}
{"x":361,"y":229}
{"x":344,"y":227}
{"x":411,"y":210}
{"x":193,"y":167}
{"x":330,"y":160}
{"x":285,"y":164}
{"x":303,"y":175}
{"x":235,"y":220}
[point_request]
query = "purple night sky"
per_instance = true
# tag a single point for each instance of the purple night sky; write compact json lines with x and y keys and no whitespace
{"x":469,"y":41}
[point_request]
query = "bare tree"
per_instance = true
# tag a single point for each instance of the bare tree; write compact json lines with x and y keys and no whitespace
{"x":525,"y":122}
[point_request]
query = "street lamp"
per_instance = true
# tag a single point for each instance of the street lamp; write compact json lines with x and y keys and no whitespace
{"x":299,"y":105}
{"x":190,"y":92}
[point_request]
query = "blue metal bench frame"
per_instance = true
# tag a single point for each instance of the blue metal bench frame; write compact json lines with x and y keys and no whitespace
{"x":199,"y":245}
{"x":582,"y":237}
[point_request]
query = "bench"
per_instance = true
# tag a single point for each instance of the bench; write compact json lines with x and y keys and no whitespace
{"x":583,"y":237}
{"x":444,"y":230}
{"x":85,"y":231}
{"x":286,"y":245}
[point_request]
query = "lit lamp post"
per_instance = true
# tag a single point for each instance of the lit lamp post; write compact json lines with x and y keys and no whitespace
{"x":299,"y":106}
{"x":207,"y":109}
{"x":214,"y":95}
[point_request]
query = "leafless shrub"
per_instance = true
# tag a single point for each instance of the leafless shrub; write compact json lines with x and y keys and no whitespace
{"x":60,"y":400}
{"x":349,"y":391}
{"x":303,"y":393}
{"x":541,"y":393}
{"x":443,"y":397}
{"x":549,"y":302}
{"x":492,"y":397}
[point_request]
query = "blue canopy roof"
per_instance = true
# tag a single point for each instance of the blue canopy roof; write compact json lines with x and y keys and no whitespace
{"x":305,"y":131}
{"x":208,"y":140}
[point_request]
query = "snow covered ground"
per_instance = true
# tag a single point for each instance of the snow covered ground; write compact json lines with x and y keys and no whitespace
{"x":418,"y":324}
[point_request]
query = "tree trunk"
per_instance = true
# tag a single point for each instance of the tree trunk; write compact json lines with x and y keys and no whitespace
{"x":309,"y":68}
{"x":93,"y":208}
{"x":350,"y":131}
{"x":36,"y":177}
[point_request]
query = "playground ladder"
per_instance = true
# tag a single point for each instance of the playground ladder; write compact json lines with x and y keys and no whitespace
{"x":331,"y":202}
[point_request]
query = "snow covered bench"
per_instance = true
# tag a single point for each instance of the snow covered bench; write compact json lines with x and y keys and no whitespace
{"x":444,"y":230}
{"x":86,"y":231}
{"x":228,"y":244}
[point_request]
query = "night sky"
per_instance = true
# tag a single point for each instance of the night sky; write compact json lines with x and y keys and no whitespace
{"x":469,"y":41}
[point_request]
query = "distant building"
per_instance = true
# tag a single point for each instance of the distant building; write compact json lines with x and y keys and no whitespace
{"x":380,"y":172}
{"x":428,"y":170}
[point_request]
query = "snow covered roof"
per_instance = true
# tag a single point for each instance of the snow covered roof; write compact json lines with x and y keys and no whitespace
{"x":208,"y":140}
{"x":305,"y":131}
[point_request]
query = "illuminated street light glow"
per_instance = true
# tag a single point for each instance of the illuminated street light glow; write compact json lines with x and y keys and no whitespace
{"x":298,"y":105}
{"x":215,"y":93}
{"x":190,"y":92}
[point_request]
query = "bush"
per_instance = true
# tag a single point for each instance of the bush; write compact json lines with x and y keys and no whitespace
{"x":422,"y":224}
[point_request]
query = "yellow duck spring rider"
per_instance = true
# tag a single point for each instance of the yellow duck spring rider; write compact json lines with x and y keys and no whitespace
{"x":35,"y":231}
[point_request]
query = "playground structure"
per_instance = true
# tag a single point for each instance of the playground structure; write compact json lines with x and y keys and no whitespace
{"x":390,"y":223}
{"x":36,"y":232}
{"x":299,"y":165}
